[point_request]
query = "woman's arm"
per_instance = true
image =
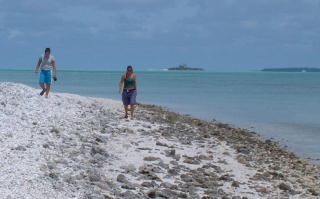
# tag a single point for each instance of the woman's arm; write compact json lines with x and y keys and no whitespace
{"x":121,"y":82}
{"x":135,"y":84}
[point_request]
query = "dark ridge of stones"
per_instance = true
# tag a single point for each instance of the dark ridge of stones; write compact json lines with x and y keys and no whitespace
{"x":161,"y":144}
{"x":313,"y":192}
{"x":122,"y":178}
{"x":53,"y":175}
{"x":252,"y":150}
{"x":101,"y":138}
{"x":235,"y":184}
{"x":151,"y":184}
{"x":144,"y":148}
{"x":150,"y":158}
{"x":204,"y":157}
{"x":175,"y":170}
{"x":20,"y":148}
{"x":149,"y":175}
{"x":129,"y":186}
{"x":97,"y":150}
{"x":129,"y":195}
{"x":152,"y":193}
{"x":172,"y":153}
{"x":128,"y":168}
{"x":163,"y":165}
{"x":191,"y":161}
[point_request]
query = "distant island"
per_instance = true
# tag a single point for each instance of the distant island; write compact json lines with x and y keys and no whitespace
{"x":184,"y":67}
{"x":301,"y":69}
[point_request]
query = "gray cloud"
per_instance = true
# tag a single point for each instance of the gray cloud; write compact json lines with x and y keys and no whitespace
{"x":213,"y":34}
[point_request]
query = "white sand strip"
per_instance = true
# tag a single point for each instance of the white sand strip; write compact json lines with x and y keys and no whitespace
{"x":48,"y":149}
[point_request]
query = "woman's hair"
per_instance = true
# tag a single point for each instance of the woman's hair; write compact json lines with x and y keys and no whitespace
{"x":130,"y":67}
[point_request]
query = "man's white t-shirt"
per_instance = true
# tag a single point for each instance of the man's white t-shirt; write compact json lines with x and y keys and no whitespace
{"x":46,"y":63}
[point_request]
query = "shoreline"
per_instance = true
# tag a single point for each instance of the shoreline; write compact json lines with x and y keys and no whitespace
{"x":80,"y":147}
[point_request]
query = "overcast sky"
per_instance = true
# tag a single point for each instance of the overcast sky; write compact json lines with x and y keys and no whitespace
{"x":217,"y":35}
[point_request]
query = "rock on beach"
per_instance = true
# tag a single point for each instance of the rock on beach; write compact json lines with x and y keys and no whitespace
{"x":69,"y":146}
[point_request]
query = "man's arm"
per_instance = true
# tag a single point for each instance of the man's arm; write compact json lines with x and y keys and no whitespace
{"x":54,"y":69}
{"x":38,"y":65}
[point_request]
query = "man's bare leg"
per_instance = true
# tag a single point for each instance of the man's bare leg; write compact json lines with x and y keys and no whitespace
{"x":47,"y":90}
{"x":43,"y":88}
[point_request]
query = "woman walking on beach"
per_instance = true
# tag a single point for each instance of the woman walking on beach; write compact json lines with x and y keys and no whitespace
{"x":47,"y":63}
{"x":129,"y":90}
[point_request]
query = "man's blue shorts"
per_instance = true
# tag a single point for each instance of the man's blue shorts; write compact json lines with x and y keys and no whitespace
{"x":45,"y":77}
{"x":129,"y":97}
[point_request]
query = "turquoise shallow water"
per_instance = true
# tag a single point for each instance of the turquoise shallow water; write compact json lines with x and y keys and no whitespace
{"x":282,"y":106}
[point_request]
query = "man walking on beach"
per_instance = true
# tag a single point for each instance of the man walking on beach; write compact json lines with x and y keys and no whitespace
{"x":47,"y":64}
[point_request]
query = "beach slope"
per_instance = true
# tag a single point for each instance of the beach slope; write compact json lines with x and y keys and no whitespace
{"x":69,"y":146}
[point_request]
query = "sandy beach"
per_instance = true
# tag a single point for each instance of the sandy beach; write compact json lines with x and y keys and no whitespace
{"x":69,"y":146}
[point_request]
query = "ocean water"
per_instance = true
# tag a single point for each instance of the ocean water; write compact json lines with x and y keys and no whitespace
{"x":283,"y":107}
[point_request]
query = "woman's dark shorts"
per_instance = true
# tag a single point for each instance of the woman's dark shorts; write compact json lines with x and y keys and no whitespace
{"x":129,"y":97}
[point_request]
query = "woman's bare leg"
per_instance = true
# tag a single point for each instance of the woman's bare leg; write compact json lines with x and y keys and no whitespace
{"x":126,"y":111}
{"x":131,"y":110}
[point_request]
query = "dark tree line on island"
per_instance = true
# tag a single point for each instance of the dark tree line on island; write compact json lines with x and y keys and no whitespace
{"x":301,"y":69}
{"x":184,"y":67}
